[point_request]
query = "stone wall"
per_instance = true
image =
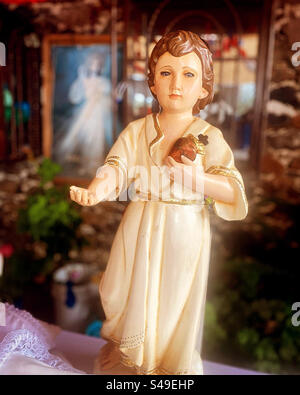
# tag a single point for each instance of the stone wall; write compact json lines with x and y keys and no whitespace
{"x":281,"y":155}
{"x":77,"y":16}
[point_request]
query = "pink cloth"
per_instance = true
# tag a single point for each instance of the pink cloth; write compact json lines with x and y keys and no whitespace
{"x":31,"y":338}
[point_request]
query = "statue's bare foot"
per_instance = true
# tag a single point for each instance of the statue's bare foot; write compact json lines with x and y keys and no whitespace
{"x":109,"y":356}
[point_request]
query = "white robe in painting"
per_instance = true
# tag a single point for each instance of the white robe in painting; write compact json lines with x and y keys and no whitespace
{"x":91,"y":123}
{"x":154,"y":288}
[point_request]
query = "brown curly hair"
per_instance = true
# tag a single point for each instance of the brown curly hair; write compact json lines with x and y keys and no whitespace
{"x":182,"y":42}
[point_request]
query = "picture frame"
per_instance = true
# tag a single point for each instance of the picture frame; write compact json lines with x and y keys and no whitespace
{"x":80,"y":117}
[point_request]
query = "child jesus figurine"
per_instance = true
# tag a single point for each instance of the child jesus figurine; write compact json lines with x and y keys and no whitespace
{"x":154,"y":287}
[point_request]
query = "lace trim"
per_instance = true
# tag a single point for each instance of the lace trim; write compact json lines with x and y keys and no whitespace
{"x":126,"y":361}
{"x":132,"y":341}
{"x":129,"y":341}
{"x":31,"y":339}
{"x":14,"y":314}
{"x":30,"y":345}
{"x":155,"y":371}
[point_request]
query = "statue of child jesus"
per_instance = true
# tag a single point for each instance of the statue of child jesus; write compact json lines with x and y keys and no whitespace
{"x":154,"y":287}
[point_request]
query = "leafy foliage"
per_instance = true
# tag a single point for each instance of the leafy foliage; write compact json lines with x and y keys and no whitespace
{"x":48,"y":170}
{"x":47,"y":218}
{"x":248,"y":312}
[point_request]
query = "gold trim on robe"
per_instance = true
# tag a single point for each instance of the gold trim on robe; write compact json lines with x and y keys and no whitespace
{"x":116,"y":161}
{"x":233,"y":174}
{"x":196,"y":127}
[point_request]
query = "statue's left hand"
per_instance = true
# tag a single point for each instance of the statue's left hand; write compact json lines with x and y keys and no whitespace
{"x":188,"y":172}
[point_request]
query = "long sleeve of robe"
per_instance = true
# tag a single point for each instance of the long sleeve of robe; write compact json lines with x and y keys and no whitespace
{"x":154,"y":287}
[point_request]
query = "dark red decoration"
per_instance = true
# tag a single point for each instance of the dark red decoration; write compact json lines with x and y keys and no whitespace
{"x":22,"y":1}
{"x":6,"y":250}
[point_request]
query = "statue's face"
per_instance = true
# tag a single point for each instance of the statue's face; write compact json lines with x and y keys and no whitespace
{"x":178,"y":82}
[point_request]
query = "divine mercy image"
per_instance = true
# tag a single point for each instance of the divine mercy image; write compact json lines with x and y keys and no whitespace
{"x":82,"y":107}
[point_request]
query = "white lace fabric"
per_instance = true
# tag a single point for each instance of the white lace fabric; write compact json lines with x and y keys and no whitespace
{"x":30,"y":337}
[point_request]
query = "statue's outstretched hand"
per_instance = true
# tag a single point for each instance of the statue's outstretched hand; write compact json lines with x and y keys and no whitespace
{"x":83,"y":196}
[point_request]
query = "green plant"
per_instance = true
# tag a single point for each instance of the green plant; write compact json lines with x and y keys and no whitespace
{"x":248,"y":313}
{"x":48,"y":221}
{"x":49,"y":216}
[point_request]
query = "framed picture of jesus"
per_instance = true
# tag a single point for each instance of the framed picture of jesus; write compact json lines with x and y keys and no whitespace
{"x":78,"y":96}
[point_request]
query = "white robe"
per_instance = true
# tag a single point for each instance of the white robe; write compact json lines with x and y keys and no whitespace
{"x":154,"y":287}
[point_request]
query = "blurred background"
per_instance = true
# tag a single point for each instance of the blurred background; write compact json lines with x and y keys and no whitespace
{"x":72,"y":76}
